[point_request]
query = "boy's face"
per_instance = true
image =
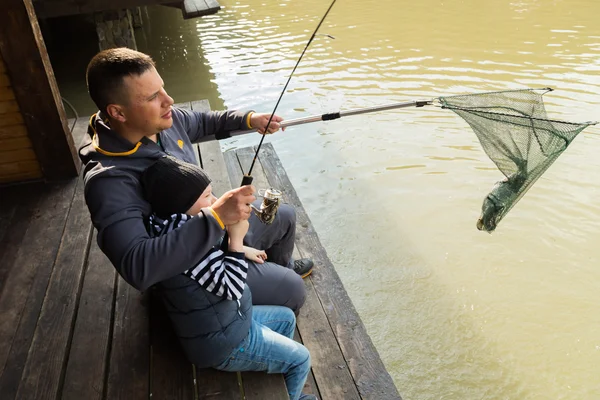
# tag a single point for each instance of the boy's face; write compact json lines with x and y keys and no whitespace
{"x":206,"y":199}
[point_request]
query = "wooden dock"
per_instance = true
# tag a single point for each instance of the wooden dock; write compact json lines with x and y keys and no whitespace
{"x":71,"y":328}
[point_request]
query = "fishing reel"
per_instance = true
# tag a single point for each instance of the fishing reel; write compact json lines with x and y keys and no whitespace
{"x":268,"y":208}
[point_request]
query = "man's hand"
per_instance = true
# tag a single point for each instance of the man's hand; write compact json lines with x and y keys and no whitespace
{"x":234,"y":205}
{"x":259,"y":122}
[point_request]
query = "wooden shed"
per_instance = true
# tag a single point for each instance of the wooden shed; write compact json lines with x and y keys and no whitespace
{"x":35,"y":141}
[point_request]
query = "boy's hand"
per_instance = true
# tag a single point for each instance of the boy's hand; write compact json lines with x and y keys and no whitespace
{"x":259,"y":122}
{"x":234,"y":205}
{"x":252,"y":254}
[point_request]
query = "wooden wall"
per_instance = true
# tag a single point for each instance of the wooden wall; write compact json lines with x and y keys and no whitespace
{"x":18,"y":161}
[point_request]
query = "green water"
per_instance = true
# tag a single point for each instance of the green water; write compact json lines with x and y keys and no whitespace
{"x":455,"y":313}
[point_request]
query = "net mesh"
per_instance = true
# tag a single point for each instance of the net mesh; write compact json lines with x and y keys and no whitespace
{"x":514,"y":131}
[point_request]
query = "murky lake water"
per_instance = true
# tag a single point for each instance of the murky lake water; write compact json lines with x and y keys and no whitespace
{"x":455,"y":313}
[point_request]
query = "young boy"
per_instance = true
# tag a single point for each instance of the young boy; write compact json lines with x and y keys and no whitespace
{"x":210,"y":304}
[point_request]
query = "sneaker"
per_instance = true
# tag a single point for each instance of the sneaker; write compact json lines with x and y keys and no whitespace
{"x":308,"y":397}
{"x":303,"y":267}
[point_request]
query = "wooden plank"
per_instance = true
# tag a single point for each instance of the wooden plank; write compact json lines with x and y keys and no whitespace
{"x":198,"y":8}
{"x":20,"y":167}
{"x":14,"y":118}
{"x":171,"y":375}
{"x":35,"y":89}
{"x":244,"y":157}
{"x":201,"y":106}
{"x":52,"y":336}
{"x":129,"y":366}
{"x":8,"y":106}
{"x":363,"y":361}
{"x":6,"y":93}
{"x":25,"y":287}
{"x":256,"y":385}
{"x":13,"y":131}
{"x":217,"y":385}
{"x":88,"y":357}
{"x":12,"y":156}
{"x":4,"y":79}
{"x":263,"y":386}
{"x":79,"y":132}
{"x":15,"y":143}
{"x":21,"y":177}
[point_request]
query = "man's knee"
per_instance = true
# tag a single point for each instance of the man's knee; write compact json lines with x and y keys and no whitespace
{"x":295,"y":289}
{"x":287,"y":214}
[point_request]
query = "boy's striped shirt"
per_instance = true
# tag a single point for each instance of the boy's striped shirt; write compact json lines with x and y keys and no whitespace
{"x":222,"y":274}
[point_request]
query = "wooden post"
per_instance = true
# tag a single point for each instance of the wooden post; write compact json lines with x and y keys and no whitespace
{"x":32,"y":78}
{"x":114,"y":29}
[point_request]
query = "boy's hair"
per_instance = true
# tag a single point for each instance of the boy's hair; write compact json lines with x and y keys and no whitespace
{"x":106,"y":70}
{"x":172,"y":186}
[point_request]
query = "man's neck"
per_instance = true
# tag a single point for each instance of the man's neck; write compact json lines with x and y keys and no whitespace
{"x":132,"y":136}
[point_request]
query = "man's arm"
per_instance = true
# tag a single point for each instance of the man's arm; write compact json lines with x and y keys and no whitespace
{"x":117,"y":210}
{"x":204,"y":126}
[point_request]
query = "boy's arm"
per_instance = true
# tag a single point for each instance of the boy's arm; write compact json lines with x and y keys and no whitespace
{"x":117,"y":210}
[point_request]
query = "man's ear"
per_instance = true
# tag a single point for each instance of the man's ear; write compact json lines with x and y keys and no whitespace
{"x":115,"y":112}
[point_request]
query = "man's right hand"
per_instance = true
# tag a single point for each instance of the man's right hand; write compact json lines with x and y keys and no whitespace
{"x":234,"y":205}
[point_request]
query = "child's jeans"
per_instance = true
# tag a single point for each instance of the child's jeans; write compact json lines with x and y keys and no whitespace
{"x":269,"y":347}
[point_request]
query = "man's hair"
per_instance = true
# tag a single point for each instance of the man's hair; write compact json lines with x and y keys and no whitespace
{"x":105,"y":73}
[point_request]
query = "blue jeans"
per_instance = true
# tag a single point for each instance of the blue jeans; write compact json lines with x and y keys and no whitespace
{"x":269,"y":347}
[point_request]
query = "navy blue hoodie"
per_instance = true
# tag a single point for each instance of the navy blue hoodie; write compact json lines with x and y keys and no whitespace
{"x":114,"y":196}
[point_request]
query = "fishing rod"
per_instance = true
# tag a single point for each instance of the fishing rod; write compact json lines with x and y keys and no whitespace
{"x":335,"y":115}
{"x":247,"y":179}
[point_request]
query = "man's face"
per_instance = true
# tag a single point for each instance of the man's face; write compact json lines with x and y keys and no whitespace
{"x":147,"y":108}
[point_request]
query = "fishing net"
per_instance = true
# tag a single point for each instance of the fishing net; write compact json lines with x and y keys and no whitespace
{"x":514,"y":131}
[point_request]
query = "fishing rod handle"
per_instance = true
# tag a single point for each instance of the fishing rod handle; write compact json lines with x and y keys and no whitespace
{"x":247,"y":180}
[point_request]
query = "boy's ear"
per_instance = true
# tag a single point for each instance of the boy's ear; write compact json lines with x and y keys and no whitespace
{"x":115,"y":112}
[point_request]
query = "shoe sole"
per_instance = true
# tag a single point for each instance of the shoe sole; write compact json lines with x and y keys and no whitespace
{"x":307,"y":274}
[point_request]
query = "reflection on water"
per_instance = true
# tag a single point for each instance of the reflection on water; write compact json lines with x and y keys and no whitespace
{"x":455,"y":313}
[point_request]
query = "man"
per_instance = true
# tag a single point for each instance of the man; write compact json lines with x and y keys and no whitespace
{"x":135,"y":126}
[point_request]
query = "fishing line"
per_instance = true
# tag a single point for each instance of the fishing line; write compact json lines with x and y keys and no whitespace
{"x":247,"y":179}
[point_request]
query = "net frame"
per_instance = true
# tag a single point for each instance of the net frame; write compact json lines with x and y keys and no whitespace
{"x":522,"y":158}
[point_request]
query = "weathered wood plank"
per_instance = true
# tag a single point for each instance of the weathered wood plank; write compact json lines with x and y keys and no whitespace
{"x":35,"y":89}
{"x":198,"y":8}
{"x":52,"y":336}
{"x":8,"y":106}
{"x":255,"y":384}
{"x":171,"y":375}
{"x":201,"y":106}
{"x":14,"y":118}
{"x":129,"y":365}
{"x":13,"y":131}
{"x":17,"y":155}
{"x":6,"y":93}
{"x":217,"y":385}
{"x":79,"y":132}
{"x":25,"y":287}
{"x":18,"y":167}
{"x":331,"y":374}
{"x":366,"y":367}
{"x":15,"y":143}
{"x":88,"y":358}
{"x":263,"y":386}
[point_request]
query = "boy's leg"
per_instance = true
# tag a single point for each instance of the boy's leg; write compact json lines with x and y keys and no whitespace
{"x":267,"y":350}
{"x":272,"y":284}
